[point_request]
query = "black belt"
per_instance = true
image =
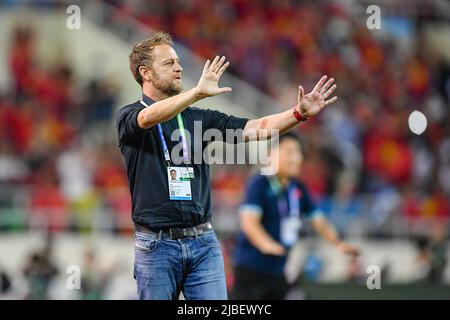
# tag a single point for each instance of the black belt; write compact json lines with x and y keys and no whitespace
{"x":177,"y":233}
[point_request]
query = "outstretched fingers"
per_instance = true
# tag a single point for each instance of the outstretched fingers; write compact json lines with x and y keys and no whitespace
{"x":329,"y":91}
{"x":327,"y":102}
{"x":320,"y":84}
{"x":214,"y":63}
{"x":223,"y":68}
{"x":219,"y":64}
{"x":206,"y":67}
{"x":326,"y":85}
{"x":325,"y":89}
{"x":225,"y":89}
{"x":301,"y":93}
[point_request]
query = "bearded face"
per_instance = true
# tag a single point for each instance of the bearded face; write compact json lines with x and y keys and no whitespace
{"x":166,"y":71}
{"x":169,"y":85}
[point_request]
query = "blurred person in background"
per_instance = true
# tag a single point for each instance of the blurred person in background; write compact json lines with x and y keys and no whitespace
{"x":94,"y":279}
{"x":5,"y":282}
{"x":39,"y":271}
{"x":422,"y":260}
{"x":431,"y":258}
{"x":270,"y":219}
{"x":171,"y":221}
{"x":438,"y":254}
{"x":355,"y":271}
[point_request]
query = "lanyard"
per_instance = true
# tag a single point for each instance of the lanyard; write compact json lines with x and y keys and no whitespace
{"x":284,"y":210}
{"x":163,"y":140}
{"x":183,"y":138}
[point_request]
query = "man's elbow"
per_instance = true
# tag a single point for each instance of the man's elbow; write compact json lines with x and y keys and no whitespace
{"x":262,"y":124}
{"x":258,"y":130}
{"x":142,"y":121}
{"x":146,"y":120}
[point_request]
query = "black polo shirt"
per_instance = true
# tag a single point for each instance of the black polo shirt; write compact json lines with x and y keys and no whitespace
{"x":147,"y":169}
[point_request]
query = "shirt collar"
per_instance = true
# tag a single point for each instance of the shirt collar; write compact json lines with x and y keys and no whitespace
{"x":276,"y":186}
{"x":147,"y":100}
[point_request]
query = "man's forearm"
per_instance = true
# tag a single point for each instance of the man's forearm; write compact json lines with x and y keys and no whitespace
{"x":168,"y":108}
{"x":261,"y":129}
{"x":307,"y":106}
{"x":326,"y":230}
{"x":257,"y":235}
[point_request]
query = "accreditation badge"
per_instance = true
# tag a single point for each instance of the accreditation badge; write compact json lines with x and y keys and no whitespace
{"x":289,"y":229}
{"x":179,"y":179}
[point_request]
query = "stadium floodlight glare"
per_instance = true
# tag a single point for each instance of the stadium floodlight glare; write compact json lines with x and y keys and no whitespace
{"x":417,"y":122}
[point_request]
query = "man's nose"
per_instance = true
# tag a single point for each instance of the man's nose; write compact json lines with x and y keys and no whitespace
{"x":178,"y":67}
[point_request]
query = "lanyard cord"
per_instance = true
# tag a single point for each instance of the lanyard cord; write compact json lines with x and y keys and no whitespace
{"x":183,"y":138}
{"x":291,"y":207}
{"x":163,"y":140}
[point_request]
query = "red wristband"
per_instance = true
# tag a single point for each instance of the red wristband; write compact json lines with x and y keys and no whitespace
{"x":298,"y":116}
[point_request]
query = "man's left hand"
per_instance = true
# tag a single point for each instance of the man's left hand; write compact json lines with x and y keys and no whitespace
{"x":311,"y":104}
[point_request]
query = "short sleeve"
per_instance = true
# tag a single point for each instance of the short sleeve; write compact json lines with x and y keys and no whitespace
{"x":254,"y":196}
{"x":214,"y":119}
{"x":126,"y":123}
{"x":307,"y":205}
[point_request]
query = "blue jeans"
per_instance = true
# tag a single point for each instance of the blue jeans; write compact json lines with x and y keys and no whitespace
{"x":163,"y":267}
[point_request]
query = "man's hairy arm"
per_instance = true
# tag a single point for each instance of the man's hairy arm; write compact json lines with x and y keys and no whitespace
{"x":307,"y":105}
{"x":261,"y":129}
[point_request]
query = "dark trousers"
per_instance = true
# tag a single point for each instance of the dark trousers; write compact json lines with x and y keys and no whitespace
{"x":251,"y":284}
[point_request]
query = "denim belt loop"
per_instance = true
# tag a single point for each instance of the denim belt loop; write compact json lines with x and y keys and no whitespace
{"x":160,"y":234}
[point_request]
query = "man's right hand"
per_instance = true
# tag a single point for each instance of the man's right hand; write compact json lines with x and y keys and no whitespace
{"x":273,"y":248}
{"x":208,"y":85}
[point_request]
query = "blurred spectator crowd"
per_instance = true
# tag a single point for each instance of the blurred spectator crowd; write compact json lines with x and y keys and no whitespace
{"x":366,"y":169}
{"x":52,"y":165}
